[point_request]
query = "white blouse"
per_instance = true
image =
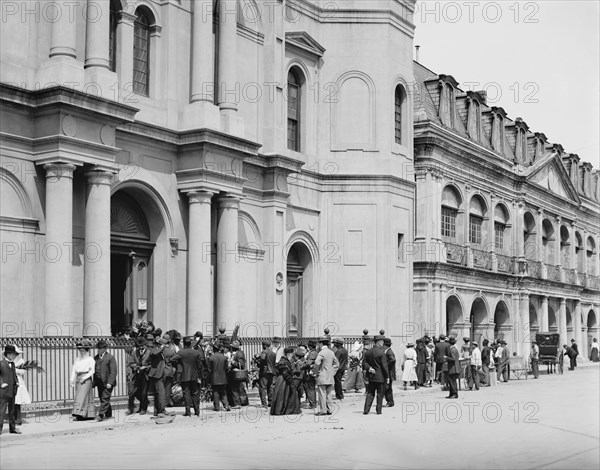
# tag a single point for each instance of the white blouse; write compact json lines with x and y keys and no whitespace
{"x":82,"y":366}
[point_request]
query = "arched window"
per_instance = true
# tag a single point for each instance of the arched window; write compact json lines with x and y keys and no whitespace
{"x":500,"y":222}
{"x":399,"y":99}
{"x":141,"y":53}
{"x":590,"y":252}
{"x":450,"y":205}
{"x":579,"y":253}
{"x":548,"y":242}
{"x":447,"y":105}
{"x":294,"y":110}
{"x":113,"y":20}
{"x":475,"y":121}
{"x":477,"y":212}
{"x":529,"y":236}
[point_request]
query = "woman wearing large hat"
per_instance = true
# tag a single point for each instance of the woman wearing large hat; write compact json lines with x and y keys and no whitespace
{"x":409,"y":366}
{"x":81,"y":380}
{"x":22,"y":397}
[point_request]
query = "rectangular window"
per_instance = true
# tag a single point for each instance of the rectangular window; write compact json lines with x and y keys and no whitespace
{"x":499,"y":236}
{"x":398,"y":117}
{"x":475,"y":224}
{"x":401,"y":248}
{"x":141,"y":56}
{"x":293,"y":117}
{"x":449,"y":222}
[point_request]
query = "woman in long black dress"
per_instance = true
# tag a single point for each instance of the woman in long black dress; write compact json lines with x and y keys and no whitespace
{"x":285,"y":396}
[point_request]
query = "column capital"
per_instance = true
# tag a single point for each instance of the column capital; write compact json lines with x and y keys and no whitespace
{"x":544,"y":298}
{"x":563,"y":301}
{"x":100,"y":175}
{"x":126,"y":18}
{"x":229,"y":202}
{"x":59,"y":170}
{"x":199,"y":197}
{"x":540,"y":212}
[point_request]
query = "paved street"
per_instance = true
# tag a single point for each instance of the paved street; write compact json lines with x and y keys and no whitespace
{"x":552,"y":422}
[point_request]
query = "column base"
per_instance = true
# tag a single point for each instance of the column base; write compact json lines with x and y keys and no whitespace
{"x":64,"y":71}
{"x":232,"y":123}
{"x":199,"y":115}
{"x":101,"y":82}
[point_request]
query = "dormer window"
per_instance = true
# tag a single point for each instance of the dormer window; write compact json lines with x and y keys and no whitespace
{"x":447,"y":105}
{"x":540,"y":146}
{"x":521,"y":153}
{"x":498,"y":137}
{"x":474,"y":119}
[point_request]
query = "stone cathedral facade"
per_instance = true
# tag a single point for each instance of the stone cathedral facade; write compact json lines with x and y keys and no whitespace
{"x":206,"y":163}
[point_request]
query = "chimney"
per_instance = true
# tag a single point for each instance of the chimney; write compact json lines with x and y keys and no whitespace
{"x":417,"y":53}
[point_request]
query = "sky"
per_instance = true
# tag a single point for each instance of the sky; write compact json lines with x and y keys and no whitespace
{"x":538,"y":60}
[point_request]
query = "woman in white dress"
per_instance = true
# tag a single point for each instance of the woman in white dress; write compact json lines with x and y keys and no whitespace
{"x":22,"y":397}
{"x":409,"y":366}
{"x":82,"y":380}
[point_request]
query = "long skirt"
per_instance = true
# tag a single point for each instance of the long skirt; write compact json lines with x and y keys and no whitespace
{"x":594,"y":355}
{"x":409,"y":374}
{"x":285,"y":399}
{"x":84,"y":400}
{"x":22,"y":397}
{"x":354,"y":380}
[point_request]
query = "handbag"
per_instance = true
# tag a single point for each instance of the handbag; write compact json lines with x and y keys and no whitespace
{"x":238,"y":375}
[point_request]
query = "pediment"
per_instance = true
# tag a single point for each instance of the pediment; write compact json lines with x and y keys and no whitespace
{"x":550,"y":174}
{"x":305,"y":42}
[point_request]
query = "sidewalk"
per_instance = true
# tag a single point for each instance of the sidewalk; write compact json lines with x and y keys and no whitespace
{"x":58,"y":422}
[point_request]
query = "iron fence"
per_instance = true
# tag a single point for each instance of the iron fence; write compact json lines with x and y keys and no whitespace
{"x":57,"y":355}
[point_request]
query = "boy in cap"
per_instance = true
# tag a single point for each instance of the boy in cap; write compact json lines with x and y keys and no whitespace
{"x":105,"y":378}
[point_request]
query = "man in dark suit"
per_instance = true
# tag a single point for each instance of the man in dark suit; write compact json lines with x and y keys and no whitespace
{"x":310,"y":380}
{"x":453,"y":359}
{"x":192,"y":365}
{"x":238,"y":388}
{"x":105,"y":379}
{"x":156,"y":377}
{"x":442,"y":349}
{"x":266,"y":373}
{"x":8,"y":389}
{"x":168,"y":352}
{"x":391,"y":363}
{"x":485,"y":362}
{"x":139,"y":363}
{"x":569,"y":351}
{"x":217,"y":369}
{"x":342,"y":356}
{"x":376,"y":366}
{"x":574,"y":360}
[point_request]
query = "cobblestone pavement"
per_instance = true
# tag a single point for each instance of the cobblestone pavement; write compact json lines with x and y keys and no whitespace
{"x":552,"y":422}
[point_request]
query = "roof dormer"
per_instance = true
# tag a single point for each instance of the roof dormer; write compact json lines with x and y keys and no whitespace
{"x":447,"y":86}
{"x":520,"y":133}
{"x":474,"y":127}
{"x":498,"y":129}
{"x":540,"y":145}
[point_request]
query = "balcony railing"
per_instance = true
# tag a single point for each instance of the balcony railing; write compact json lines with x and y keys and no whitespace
{"x":593,"y":282}
{"x":505,"y":264}
{"x":482,"y":259}
{"x":534,"y":269}
{"x":553,"y":273}
{"x":456,"y":254}
{"x":571,"y":276}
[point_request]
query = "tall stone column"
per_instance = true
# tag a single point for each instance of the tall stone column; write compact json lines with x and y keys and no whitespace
{"x":97,"y":34}
{"x":227,"y":262}
{"x":227,"y":56}
{"x":544,"y":314}
{"x":124,"y":61}
{"x":58,"y":246}
{"x":557,"y":238}
{"x":200,"y":302}
{"x":63,"y":16}
{"x":203,"y":73}
{"x":96,"y":303}
{"x":96,"y":66}
{"x":523,"y":333}
{"x":578,"y":336}
{"x":562,"y":320}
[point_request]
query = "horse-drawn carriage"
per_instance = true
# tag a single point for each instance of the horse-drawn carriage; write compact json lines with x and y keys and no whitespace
{"x":550,"y":353}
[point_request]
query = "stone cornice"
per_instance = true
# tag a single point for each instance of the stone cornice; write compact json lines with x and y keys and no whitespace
{"x":62,"y":98}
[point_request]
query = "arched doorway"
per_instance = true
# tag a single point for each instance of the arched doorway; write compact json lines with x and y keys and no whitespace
{"x":592,"y":331}
{"x":501,"y":319}
{"x":534,"y":325}
{"x":134,"y":229}
{"x":454,"y":316}
{"x":299,"y":293}
{"x":478,"y":319}
{"x":569,"y":322}
{"x":552,"y":323}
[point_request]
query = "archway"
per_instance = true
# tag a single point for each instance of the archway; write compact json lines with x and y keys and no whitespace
{"x":501,"y":319}
{"x":454,"y":316}
{"x":552,"y":323}
{"x":569,"y":322}
{"x":299,"y":289}
{"x":478,"y":319}
{"x":137,"y":226}
{"x":534,"y":326}
{"x":592,"y":331}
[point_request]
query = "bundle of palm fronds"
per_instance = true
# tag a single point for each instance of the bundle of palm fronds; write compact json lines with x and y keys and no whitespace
{"x":31,"y":365}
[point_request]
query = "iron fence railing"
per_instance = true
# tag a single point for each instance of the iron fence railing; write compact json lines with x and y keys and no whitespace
{"x":57,"y":355}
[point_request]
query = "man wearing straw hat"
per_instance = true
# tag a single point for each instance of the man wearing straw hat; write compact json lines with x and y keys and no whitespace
{"x":8,"y":388}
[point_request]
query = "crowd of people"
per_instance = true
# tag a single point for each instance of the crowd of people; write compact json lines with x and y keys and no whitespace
{"x":316,"y":371}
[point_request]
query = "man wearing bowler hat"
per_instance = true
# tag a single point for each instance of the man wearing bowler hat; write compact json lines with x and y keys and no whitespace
{"x":192,"y":364}
{"x":453,"y":359}
{"x":376,"y":367}
{"x":342,"y":356}
{"x":139,"y":363}
{"x":391,"y":364}
{"x":265,"y":374}
{"x":105,"y":378}
{"x":8,"y":388}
